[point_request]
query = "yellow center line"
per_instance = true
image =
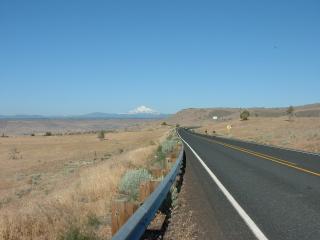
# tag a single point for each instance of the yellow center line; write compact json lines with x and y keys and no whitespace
{"x":267,"y":157}
{"x":255,"y":153}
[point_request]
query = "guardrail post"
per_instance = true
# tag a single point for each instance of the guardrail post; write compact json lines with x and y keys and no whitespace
{"x":157,"y":172}
{"x":121,"y":210}
{"x":154,"y":184}
{"x":144,"y":190}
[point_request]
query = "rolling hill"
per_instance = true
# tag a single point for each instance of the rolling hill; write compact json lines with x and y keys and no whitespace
{"x":199,"y":116}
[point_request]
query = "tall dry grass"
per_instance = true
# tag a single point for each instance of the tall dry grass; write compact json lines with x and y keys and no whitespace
{"x":68,"y":212}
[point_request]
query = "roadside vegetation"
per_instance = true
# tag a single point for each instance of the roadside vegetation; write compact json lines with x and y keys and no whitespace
{"x":131,"y":180}
{"x":165,"y":155}
{"x":64,"y":191}
{"x":244,"y":115}
{"x":290,"y":113}
{"x":100,"y":135}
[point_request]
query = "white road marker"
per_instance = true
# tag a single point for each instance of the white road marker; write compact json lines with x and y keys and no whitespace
{"x":250,"y":223}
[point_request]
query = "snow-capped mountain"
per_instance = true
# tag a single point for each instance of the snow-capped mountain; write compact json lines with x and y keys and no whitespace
{"x":143,"y":110}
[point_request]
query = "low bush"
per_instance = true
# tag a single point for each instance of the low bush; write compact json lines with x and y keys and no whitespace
{"x":93,"y":220}
{"x":4,"y":136}
{"x":244,"y":115}
{"x":165,"y":149}
{"x":290,"y":112}
{"x":101,"y":135}
{"x":120,"y":150}
{"x":168,"y":146}
{"x":160,"y":158}
{"x":14,"y":154}
{"x":74,"y":233}
{"x":130,"y":182}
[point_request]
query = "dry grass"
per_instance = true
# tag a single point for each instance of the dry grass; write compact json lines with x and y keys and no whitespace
{"x":301,"y":133}
{"x":65,"y":183}
{"x":203,"y":116}
{"x":41,"y":126}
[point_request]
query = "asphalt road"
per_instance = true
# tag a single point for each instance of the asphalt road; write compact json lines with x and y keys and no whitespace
{"x":278,"y":190}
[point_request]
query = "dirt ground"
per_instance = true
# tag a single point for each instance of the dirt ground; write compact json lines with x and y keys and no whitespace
{"x":182,"y":224}
{"x":47,"y":182}
{"x":301,"y":133}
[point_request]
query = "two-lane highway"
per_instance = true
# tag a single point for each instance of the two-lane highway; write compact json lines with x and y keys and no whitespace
{"x":250,"y":191}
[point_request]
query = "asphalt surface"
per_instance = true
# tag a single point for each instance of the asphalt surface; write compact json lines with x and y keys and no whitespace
{"x":278,"y":189}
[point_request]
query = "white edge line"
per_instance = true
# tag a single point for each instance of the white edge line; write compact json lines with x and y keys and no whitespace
{"x":250,"y":223}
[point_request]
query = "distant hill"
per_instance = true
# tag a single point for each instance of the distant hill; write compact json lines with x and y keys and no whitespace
{"x":196,"y":116}
{"x":99,"y":115}
{"x":22,"y":117}
{"x":95,"y":115}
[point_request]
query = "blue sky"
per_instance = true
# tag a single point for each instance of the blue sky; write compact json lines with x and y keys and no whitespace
{"x":72,"y":57}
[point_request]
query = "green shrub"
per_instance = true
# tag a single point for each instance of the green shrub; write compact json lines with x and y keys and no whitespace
{"x":48,"y":134}
{"x":290,"y":112}
{"x":93,"y":220}
{"x":164,"y":149}
{"x":130,"y":182}
{"x":168,"y":145}
{"x":74,"y":233}
{"x":160,"y":157}
{"x":244,"y":115}
{"x":101,"y":135}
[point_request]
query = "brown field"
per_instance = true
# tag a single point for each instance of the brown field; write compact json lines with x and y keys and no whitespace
{"x":49,"y":185}
{"x":63,"y":126}
{"x":301,"y":133}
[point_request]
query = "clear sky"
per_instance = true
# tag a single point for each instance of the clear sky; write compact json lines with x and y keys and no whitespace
{"x":73,"y":57}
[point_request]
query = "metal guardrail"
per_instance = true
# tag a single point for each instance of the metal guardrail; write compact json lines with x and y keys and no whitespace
{"x":136,"y":225}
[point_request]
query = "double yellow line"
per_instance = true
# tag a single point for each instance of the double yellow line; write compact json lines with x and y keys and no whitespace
{"x":266,"y":157}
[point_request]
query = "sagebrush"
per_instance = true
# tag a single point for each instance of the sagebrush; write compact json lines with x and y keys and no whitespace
{"x":130,"y":182}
